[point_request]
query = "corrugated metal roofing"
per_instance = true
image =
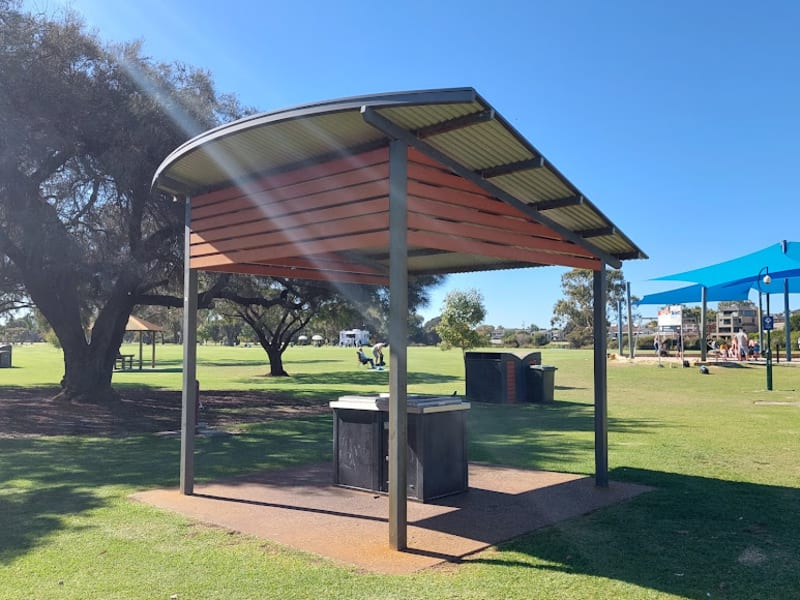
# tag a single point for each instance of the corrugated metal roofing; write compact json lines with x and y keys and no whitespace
{"x":453,"y":132}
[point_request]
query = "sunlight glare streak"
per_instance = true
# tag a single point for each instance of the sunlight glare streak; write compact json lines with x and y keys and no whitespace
{"x":241,"y":174}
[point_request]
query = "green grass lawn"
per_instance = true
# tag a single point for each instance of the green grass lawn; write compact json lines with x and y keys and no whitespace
{"x":721,"y":523}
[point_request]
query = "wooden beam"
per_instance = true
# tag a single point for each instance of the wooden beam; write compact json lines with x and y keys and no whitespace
{"x":378,"y":239}
{"x":397,"y":132}
{"x":268,"y":270}
{"x":457,"y":212}
{"x":464,"y":198}
{"x":366,"y":162}
{"x":465,"y":246}
{"x":255,"y":225}
{"x":299,"y":235}
{"x":320,"y":189}
{"x":491,"y":235}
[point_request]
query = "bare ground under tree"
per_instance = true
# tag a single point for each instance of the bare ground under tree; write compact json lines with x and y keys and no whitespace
{"x":32,"y":412}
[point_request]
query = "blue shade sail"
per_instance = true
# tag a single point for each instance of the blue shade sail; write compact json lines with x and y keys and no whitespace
{"x":693,"y":294}
{"x":782,"y":260}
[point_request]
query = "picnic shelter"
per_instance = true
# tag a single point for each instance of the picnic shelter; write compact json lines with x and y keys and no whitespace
{"x":375,"y":190}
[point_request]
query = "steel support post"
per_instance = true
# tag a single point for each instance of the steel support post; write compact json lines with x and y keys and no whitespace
{"x":787,"y":320}
{"x":703,"y":333}
{"x":189,"y":395}
{"x":398,"y":342}
{"x":600,"y":379}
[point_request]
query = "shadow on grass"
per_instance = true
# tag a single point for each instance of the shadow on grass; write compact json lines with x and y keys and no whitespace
{"x":536,"y":436}
{"x":45,"y":479}
{"x":357,"y":377}
{"x":692,"y":537}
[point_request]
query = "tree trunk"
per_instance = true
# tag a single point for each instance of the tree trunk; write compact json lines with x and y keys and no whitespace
{"x":275,"y":362}
{"x":88,"y":364}
{"x":87,"y":374}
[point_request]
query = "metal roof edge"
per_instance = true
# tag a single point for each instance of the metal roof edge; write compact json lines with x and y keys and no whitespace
{"x":408,"y":98}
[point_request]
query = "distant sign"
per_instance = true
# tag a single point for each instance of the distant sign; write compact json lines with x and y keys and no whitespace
{"x":670,"y":316}
{"x":767,"y":323}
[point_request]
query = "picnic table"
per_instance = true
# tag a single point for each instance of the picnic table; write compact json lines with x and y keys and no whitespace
{"x":123,"y":361}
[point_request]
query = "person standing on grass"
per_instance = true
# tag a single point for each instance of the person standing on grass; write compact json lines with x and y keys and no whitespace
{"x":377,"y":353}
{"x":743,"y":343}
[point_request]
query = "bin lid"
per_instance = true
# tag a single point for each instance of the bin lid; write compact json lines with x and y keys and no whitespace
{"x":414,"y":403}
{"x":425,"y":404}
{"x":544,"y":367}
{"x":356,"y":402}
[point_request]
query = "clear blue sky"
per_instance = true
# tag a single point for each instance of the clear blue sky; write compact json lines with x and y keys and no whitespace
{"x":679,"y":119}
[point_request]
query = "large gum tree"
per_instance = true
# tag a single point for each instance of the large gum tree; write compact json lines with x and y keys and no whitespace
{"x":83,"y":129}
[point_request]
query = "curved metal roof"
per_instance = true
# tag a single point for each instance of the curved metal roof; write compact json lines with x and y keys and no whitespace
{"x":472,"y":172}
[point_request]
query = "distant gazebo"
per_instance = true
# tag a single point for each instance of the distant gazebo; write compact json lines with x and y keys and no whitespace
{"x":140,"y":325}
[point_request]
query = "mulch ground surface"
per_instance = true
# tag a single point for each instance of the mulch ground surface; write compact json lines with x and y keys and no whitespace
{"x":31,"y":412}
{"x":300,"y":508}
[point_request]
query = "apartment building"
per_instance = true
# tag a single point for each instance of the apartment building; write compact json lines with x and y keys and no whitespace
{"x":732,"y":316}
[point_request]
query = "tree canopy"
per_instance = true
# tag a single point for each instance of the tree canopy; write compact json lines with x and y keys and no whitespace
{"x":574,"y":312}
{"x":84,"y":128}
{"x":83,"y":238}
{"x":462,"y":313}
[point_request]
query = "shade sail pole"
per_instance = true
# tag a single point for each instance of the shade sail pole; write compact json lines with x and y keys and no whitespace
{"x":703,"y":311}
{"x":600,"y":380}
{"x":631,"y":345}
{"x":787,"y":328}
{"x":189,"y":395}
{"x":398,"y":339}
{"x":760,"y":322}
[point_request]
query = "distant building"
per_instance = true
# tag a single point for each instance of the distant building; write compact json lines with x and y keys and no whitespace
{"x":732,"y":316}
{"x":354,"y":337}
{"x":496,"y":337}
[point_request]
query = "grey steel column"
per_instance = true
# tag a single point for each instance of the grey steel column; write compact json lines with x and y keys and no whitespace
{"x":786,"y":320}
{"x":619,"y":327}
{"x":398,"y":341}
{"x":189,"y":395}
{"x":600,"y":379}
{"x":631,"y":344}
{"x":760,"y":323}
{"x":703,"y":308}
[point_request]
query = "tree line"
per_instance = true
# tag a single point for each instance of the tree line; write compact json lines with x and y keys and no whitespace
{"x":83,"y":238}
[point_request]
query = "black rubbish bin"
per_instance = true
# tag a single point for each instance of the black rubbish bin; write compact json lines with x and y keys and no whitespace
{"x":541,"y":383}
{"x":5,"y":356}
{"x":498,"y":377}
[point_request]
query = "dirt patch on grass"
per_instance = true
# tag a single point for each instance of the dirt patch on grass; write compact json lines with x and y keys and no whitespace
{"x":32,"y":412}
